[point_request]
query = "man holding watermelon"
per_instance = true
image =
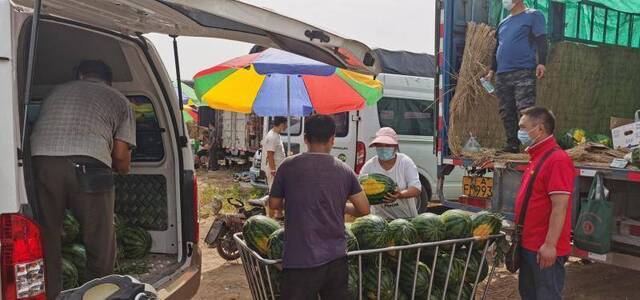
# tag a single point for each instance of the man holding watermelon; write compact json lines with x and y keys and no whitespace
{"x":317,"y":187}
{"x":544,"y":206}
{"x":403,"y":203}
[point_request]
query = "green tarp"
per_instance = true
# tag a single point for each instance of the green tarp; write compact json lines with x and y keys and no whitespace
{"x":613,"y":22}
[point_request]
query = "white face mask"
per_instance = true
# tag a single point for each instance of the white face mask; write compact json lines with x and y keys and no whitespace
{"x":508,"y":4}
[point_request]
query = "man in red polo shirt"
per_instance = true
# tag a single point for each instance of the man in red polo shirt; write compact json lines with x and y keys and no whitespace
{"x":547,"y":225}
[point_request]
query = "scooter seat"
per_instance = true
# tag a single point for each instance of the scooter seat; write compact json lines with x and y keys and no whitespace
{"x":259,"y":202}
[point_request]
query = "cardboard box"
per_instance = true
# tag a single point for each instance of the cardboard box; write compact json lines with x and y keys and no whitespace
{"x":625,"y":133}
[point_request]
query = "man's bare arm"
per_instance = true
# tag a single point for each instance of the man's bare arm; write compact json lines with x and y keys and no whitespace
{"x":121,"y":157}
{"x":547,"y":253}
{"x":276,"y":203}
{"x":359,"y":205}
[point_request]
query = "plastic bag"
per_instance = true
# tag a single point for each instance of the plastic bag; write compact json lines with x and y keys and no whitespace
{"x":472,"y":145}
{"x":593,"y":229}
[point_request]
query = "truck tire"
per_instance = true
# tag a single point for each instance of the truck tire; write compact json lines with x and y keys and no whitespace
{"x":425,"y":195}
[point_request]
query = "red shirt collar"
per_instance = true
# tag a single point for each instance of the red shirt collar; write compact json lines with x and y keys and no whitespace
{"x":542,"y":147}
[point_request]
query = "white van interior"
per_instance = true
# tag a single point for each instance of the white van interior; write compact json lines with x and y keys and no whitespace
{"x":147,"y":196}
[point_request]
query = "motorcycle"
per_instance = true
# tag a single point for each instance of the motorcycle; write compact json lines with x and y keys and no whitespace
{"x":224,"y":226}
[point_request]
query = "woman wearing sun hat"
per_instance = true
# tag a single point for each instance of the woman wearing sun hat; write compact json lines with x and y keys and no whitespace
{"x":399,"y":167}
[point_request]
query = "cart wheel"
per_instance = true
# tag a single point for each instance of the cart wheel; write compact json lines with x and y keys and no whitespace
{"x":227,"y":247}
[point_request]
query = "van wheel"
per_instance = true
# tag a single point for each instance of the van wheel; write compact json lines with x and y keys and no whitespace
{"x":425,"y":195}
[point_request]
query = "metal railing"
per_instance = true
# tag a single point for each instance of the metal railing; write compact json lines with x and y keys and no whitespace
{"x":263,"y":274}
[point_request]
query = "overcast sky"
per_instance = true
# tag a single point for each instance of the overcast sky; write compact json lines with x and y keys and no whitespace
{"x":397,"y":25}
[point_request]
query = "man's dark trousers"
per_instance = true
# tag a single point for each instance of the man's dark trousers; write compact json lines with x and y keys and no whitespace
{"x":540,"y":284}
{"x":82,"y":185}
{"x":328,"y":280}
{"x":516,"y":91}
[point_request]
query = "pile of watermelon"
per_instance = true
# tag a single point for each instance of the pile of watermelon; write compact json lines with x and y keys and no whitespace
{"x":266,"y":237}
{"x":133,"y":245}
{"x":373,"y":232}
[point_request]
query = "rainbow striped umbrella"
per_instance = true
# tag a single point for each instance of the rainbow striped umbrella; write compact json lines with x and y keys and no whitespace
{"x":278,"y":83}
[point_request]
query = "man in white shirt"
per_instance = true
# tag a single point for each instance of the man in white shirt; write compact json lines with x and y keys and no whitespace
{"x":399,"y":167}
{"x":273,"y":152}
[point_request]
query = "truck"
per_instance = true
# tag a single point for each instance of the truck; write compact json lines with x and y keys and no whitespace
{"x":241,"y":135}
{"x":40,"y":44}
{"x":407,"y":105}
{"x":607,"y":54}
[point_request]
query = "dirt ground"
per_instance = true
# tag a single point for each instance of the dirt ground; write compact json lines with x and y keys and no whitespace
{"x":226,"y":281}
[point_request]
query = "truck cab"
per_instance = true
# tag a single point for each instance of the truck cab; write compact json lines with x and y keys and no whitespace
{"x":42,"y":42}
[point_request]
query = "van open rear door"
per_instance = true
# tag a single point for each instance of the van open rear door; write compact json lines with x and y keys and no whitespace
{"x":226,"y":19}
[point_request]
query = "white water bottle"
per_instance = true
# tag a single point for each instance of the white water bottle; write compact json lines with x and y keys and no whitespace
{"x":487,"y":85}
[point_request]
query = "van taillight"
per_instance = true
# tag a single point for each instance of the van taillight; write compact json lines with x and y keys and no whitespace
{"x":361,"y":156}
{"x":22,"y":258}
{"x":196,"y":216}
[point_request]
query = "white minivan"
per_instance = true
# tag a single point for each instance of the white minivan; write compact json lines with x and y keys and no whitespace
{"x":40,"y":50}
{"x":408,"y":106}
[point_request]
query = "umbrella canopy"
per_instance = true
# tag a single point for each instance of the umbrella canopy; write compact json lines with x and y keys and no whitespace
{"x":190,"y":114}
{"x":267,"y":82}
{"x":188,"y":94}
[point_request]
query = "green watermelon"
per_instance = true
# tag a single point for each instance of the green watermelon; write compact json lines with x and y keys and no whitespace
{"x":77,"y":255}
{"x":119,"y":251}
{"x":407,"y":271}
{"x":387,"y":284}
{"x":602,"y":139}
{"x":430,"y":227}
{"x":484,"y":224}
{"x":69,"y":275}
{"x":457,"y":224}
{"x":370,"y":231}
{"x":119,"y":224}
{"x":452,"y":292}
{"x":70,"y":228}
{"x":256,"y":232}
{"x":455,"y":275}
{"x":352,"y":242}
{"x":275,"y":276}
{"x":401,"y":232}
{"x":353,"y":282}
{"x":376,"y":187}
{"x":275,"y":245}
{"x":403,"y":296}
{"x":474,"y":265}
{"x":136,"y":242}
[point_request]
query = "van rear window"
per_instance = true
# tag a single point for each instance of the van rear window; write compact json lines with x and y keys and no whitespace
{"x":406,"y":116}
{"x":150,"y":147}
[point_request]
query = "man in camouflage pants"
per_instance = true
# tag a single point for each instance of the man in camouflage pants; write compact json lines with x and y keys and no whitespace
{"x":519,"y":37}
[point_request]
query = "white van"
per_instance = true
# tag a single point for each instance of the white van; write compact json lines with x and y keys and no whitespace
{"x":160,"y":192}
{"x":407,"y":106}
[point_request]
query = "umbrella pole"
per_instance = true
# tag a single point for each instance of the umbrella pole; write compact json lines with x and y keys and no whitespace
{"x":288,"y":118}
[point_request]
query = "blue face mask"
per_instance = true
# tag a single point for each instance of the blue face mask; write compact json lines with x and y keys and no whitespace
{"x":386,"y":153}
{"x":525,"y":138}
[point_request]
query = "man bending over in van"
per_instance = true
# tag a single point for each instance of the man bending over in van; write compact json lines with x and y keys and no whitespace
{"x":399,"y":167}
{"x":85,"y":131}
{"x":273,"y":154}
{"x":316,"y":187}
